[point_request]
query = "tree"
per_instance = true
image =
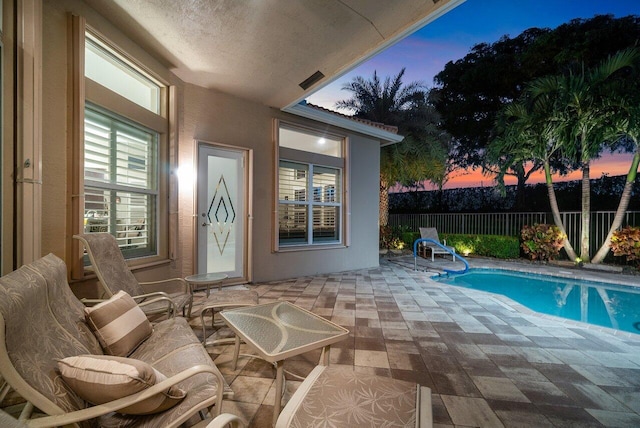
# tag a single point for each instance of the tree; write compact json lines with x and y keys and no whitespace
{"x":422,"y":154}
{"x":471,"y":91}
{"x":573,"y":114}
{"x":525,"y":133}
{"x":587,"y":99}
{"x":627,"y":122}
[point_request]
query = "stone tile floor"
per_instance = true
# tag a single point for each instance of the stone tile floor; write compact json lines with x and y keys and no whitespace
{"x":488,"y":361}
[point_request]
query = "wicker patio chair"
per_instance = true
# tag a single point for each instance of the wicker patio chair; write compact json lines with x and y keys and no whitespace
{"x":114,"y":274}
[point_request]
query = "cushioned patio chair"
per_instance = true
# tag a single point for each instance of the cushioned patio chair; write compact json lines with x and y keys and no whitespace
{"x":114,"y":274}
{"x":432,"y":233}
{"x":42,"y":324}
{"x":340,"y":397}
{"x":6,"y":421}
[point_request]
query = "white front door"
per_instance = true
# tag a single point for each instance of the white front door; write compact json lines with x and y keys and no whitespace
{"x":222,"y":210}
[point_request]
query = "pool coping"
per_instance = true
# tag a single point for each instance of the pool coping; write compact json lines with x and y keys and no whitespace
{"x":558,"y":272}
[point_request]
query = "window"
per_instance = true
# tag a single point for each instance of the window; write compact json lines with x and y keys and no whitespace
{"x":310,"y":183}
{"x":124,"y":130}
{"x":120,"y":185}
{"x":104,"y":66}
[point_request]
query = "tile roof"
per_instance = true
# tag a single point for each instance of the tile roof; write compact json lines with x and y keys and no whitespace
{"x":388,"y":128}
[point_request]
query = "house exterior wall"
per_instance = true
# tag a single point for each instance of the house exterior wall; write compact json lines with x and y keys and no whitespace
{"x":56,"y":233}
{"x":220,"y":118}
{"x":204,"y":115}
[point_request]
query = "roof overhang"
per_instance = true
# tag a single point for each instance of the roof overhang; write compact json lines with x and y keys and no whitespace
{"x":386,"y":138}
{"x":264,"y":50}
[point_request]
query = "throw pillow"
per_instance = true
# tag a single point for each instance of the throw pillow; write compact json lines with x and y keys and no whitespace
{"x":119,"y":324}
{"x":100,"y":379}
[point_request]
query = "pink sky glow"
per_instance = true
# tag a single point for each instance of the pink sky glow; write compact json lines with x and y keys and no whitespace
{"x":450,"y":38}
{"x":611,"y":164}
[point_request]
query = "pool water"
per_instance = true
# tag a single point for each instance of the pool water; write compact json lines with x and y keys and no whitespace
{"x":613,"y":306}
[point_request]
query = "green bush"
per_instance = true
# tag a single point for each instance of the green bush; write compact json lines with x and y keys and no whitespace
{"x":409,"y":238}
{"x":391,"y":238}
{"x":626,"y":242}
{"x":542,"y":241}
{"x":500,"y":247}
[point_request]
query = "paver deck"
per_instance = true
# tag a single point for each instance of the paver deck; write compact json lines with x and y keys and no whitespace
{"x":488,"y":361}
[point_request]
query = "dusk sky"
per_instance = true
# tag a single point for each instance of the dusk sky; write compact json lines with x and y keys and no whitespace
{"x":450,"y":37}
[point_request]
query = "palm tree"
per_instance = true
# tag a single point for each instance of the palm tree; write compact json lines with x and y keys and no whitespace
{"x":585,"y":100}
{"x":381,"y":102}
{"x":524,"y":132}
{"x":628,"y":123}
{"x":422,"y":155}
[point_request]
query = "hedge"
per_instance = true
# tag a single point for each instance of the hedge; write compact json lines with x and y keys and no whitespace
{"x":500,"y":247}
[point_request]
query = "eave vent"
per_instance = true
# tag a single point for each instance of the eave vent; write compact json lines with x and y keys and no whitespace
{"x":312,"y":80}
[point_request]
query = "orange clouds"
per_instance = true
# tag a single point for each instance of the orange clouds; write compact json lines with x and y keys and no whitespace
{"x":609,"y":164}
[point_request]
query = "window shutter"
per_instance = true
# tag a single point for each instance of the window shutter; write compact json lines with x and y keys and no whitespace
{"x":120,"y":181}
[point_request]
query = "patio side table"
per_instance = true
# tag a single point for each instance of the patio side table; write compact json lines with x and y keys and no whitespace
{"x":280,"y":330}
{"x":206,"y":280}
{"x":224,"y":299}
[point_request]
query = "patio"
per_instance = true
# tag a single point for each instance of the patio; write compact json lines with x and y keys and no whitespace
{"x":487,"y":362}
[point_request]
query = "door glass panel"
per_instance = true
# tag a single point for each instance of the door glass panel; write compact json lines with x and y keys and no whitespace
{"x":221,"y":206}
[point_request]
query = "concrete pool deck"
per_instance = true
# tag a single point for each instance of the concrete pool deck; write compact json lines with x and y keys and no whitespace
{"x":487,"y":361}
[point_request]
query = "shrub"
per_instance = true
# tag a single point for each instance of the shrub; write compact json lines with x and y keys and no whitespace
{"x":542,"y":241}
{"x":409,"y":238}
{"x":390,"y":238}
{"x":385,"y":237}
{"x":501,"y":247}
{"x":626,"y":242}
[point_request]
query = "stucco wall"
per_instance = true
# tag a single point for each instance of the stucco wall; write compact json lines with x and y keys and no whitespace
{"x":203,"y":115}
{"x":219,"y":118}
{"x":56,"y":231}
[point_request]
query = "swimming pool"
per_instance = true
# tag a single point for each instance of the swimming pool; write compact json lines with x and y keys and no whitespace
{"x":607,"y":305}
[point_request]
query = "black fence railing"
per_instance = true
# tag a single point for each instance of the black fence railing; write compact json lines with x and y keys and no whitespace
{"x":510,"y":224}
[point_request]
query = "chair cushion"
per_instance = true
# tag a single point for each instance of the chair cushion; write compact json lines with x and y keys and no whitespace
{"x":119,"y":324}
{"x":339,"y":397}
{"x":99,"y":379}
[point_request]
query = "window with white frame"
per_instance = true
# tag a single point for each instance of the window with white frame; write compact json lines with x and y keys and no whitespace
{"x":310,"y":188}
{"x":121,"y":149}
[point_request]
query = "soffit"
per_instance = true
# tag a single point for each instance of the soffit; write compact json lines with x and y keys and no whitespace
{"x":262,"y":50}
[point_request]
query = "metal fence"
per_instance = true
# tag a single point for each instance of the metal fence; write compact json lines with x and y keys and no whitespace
{"x":510,"y":224}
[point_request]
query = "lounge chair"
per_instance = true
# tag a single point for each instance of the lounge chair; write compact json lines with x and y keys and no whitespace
{"x":432,"y":233}
{"x":114,"y":275}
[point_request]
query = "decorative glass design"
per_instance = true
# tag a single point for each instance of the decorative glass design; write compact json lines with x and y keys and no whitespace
{"x":221,"y":214}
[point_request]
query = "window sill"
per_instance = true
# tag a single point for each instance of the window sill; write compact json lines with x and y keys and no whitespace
{"x":296,"y":248}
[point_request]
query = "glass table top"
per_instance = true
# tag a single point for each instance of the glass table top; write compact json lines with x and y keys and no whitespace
{"x":206,"y":277}
{"x":279,"y":330}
